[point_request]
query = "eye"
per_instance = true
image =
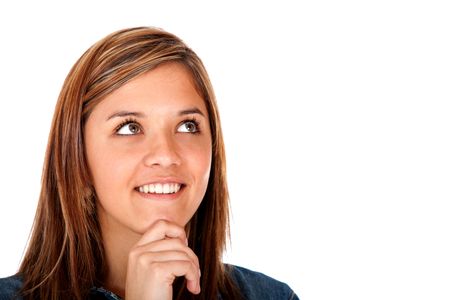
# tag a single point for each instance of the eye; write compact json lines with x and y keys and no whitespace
{"x":190,"y":126}
{"x":128,"y":128}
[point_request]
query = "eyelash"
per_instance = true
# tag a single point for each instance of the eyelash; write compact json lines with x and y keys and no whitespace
{"x":126,"y":122}
{"x":131,"y":120}
{"x":196,"y":123}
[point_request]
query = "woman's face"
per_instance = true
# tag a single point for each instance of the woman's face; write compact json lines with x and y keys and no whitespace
{"x":148,"y":147}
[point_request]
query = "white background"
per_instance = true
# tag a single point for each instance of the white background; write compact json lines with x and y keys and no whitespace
{"x":336,"y":122}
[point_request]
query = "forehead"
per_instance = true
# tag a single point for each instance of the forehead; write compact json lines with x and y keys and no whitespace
{"x":167,"y":87}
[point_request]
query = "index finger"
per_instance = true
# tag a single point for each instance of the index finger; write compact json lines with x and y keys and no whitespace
{"x":160,"y":230}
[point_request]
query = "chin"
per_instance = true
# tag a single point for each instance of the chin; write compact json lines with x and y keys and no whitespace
{"x":143,"y":226}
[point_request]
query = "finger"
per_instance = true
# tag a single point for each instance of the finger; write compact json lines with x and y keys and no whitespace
{"x":181,"y":268}
{"x":168,"y":245}
{"x":160,"y":230}
{"x":153,"y":262}
{"x":163,"y":267}
{"x":166,"y":256}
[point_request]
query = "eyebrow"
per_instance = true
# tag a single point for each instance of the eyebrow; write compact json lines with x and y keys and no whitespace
{"x":125,"y":113}
{"x":191,"y":111}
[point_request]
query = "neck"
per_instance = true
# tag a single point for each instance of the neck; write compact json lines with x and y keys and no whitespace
{"x":117,"y":242}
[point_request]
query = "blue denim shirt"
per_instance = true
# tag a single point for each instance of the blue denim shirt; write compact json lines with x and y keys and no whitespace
{"x":253,"y":285}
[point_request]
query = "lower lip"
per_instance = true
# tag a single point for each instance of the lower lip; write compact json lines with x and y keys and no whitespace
{"x":161,"y":196}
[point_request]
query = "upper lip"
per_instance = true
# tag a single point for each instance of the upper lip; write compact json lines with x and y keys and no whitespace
{"x":156,"y":180}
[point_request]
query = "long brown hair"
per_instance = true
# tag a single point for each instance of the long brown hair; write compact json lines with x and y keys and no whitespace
{"x":65,"y":256}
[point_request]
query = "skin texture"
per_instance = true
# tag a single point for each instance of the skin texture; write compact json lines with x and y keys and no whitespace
{"x":144,"y":237}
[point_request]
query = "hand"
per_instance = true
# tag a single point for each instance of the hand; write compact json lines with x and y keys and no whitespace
{"x":157,"y":259}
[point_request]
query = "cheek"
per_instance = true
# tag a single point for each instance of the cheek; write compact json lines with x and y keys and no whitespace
{"x":109,"y":170}
{"x":200,"y":164}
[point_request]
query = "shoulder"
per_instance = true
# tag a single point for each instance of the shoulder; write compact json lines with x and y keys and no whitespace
{"x":255,"y":285}
{"x":9,"y":287}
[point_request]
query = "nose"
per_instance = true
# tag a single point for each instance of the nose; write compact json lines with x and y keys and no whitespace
{"x":161,"y":150}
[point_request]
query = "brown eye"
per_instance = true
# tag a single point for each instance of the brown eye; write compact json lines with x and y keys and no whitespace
{"x":189,"y":126}
{"x":129,"y":129}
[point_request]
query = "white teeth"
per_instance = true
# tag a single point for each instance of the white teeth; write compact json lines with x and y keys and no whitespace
{"x":160,"y":188}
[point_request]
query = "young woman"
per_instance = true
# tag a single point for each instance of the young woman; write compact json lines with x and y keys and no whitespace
{"x":134,"y":200}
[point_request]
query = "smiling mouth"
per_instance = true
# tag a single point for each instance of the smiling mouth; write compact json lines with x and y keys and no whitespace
{"x":160,"y":188}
